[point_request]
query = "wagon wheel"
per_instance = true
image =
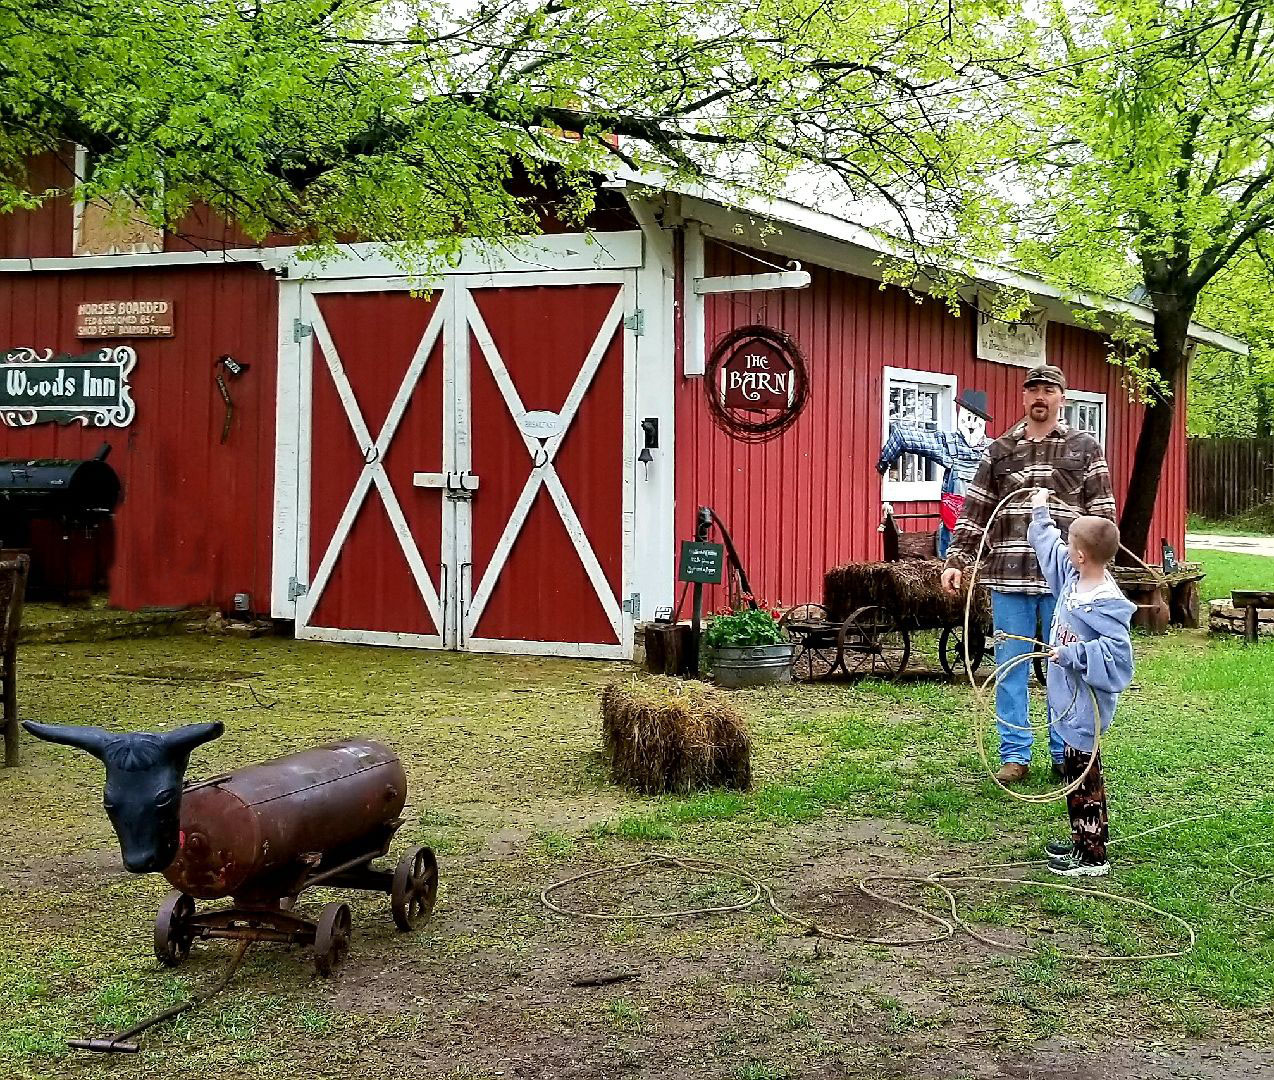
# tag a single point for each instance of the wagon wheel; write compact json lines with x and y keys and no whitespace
{"x":951,"y":649}
{"x":814,"y":657}
{"x":871,"y":642}
{"x":331,"y":938}
{"x":415,"y":887}
{"x":173,"y":932}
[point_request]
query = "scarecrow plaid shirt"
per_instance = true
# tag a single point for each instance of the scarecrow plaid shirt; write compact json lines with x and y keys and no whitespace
{"x":1069,"y":463}
{"x":947,"y":448}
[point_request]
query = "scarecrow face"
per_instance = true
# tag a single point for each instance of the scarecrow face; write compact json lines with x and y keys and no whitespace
{"x":971,"y":426}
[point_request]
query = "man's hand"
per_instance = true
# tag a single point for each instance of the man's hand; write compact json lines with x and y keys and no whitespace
{"x":1039,"y":497}
{"x":952,"y":578}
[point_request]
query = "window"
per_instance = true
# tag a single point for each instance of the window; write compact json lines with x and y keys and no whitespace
{"x":100,"y":228}
{"x":925,"y":398}
{"x":1086,"y":411}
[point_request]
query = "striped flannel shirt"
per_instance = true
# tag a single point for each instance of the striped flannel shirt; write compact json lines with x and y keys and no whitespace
{"x":1068,"y":462}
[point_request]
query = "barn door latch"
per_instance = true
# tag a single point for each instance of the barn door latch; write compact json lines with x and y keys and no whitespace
{"x":301,"y":330}
{"x":296,"y":589}
{"x":636,"y":322}
{"x":633,"y":606}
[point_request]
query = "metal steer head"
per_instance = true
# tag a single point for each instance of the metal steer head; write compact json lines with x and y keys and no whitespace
{"x":143,"y":783}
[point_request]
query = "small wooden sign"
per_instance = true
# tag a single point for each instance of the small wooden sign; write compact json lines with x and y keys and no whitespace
{"x":124,"y":318}
{"x":701,"y":562}
{"x":757,"y":377}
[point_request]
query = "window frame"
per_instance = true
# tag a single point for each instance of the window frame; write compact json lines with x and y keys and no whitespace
{"x":916,"y":490}
{"x":1088,"y":397}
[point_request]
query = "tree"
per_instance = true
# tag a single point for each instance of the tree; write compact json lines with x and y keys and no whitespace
{"x":1146,"y":144}
{"x":406,"y":120}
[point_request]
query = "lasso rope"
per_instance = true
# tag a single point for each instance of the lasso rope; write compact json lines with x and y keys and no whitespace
{"x":940,"y":880}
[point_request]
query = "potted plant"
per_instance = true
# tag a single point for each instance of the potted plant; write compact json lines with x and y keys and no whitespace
{"x":746,"y":647}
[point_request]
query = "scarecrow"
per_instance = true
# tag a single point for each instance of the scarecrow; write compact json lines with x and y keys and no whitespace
{"x":958,"y":452}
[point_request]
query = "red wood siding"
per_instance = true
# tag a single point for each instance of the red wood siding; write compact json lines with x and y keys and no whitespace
{"x":48,"y":231}
{"x":811,"y":498}
{"x":194,"y":526}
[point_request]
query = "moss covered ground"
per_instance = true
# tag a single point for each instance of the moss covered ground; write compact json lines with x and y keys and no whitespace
{"x":507,"y":785}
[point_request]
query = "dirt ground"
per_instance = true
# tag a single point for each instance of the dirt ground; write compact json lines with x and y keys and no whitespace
{"x":508,"y":786}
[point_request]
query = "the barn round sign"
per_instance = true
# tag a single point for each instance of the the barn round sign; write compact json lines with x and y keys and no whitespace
{"x":756,"y":382}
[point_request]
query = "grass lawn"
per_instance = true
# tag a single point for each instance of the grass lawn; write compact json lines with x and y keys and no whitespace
{"x":1227,"y":571}
{"x":1259,"y":520}
{"x":506,"y":784}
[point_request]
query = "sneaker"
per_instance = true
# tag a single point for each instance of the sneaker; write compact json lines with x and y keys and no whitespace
{"x":1012,"y":773}
{"x":1058,"y":848}
{"x":1073,"y":866}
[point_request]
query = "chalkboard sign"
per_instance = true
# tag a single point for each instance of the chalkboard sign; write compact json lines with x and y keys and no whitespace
{"x":1169,"y":559}
{"x":701,"y":561}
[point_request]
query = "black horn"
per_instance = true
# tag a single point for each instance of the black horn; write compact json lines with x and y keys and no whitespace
{"x":92,"y":739}
{"x":185,"y":739}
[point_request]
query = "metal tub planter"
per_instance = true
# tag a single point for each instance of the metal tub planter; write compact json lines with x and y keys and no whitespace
{"x":752,"y":665}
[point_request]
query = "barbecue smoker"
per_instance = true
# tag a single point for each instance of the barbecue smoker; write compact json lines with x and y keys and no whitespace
{"x":58,"y":511}
{"x":261,"y":835}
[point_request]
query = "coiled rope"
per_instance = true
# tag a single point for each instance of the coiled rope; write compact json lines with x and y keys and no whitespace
{"x":940,"y":881}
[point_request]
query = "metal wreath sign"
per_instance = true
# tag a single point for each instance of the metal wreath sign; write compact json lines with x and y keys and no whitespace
{"x":757,"y":383}
{"x":39,"y":388}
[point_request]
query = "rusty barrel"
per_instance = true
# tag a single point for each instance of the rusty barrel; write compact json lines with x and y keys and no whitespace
{"x":239,"y":831}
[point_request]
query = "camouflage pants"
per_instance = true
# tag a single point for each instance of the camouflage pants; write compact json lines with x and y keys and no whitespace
{"x":1086,"y":806}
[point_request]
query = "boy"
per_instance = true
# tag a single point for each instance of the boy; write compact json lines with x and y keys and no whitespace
{"x":1089,"y":647}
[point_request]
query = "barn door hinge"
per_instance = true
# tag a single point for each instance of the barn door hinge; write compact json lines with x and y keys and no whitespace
{"x":296,"y":588}
{"x":636,"y":322}
{"x":300,"y":330}
{"x":633,"y":605}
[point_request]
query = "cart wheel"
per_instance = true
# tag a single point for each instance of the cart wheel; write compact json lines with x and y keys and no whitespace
{"x":872,"y":643}
{"x":173,"y":932}
{"x":331,"y":938}
{"x":415,"y":887}
{"x":951,"y":649}
{"x":814,"y":657}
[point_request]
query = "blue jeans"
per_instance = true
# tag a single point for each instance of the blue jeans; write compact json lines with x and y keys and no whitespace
{"x":1029,"y":615}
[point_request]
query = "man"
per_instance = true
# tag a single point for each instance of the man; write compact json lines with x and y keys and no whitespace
{"x":958,"y":452}
{"x":1041,"y":451}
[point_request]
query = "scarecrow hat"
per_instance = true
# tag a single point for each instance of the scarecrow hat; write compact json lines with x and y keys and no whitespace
{"x":975,"y":402}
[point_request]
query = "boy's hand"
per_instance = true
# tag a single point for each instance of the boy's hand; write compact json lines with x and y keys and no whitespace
{"x":1039,"y":497}
{"x":1055,"y":656}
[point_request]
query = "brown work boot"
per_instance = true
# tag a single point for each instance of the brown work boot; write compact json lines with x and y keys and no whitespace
{"x":1012,"y":773}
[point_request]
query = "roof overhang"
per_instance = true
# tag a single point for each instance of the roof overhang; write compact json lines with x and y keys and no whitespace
{"x":797,"y":231}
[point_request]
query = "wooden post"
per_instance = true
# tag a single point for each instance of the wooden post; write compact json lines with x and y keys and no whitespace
{"x":15,"y":571}
{"x":703,"y":525}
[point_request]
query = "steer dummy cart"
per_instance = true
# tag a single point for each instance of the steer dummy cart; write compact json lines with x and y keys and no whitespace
{"x":870,"y":611}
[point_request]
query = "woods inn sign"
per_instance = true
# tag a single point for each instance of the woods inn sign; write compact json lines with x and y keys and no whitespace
{"x":91,"y":389}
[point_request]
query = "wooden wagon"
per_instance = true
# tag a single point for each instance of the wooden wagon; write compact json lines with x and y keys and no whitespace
{"x":870,"y":611}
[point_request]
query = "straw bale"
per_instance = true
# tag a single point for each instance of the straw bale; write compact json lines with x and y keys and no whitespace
{"x":662,"y":735}
{"x":910,"y":591}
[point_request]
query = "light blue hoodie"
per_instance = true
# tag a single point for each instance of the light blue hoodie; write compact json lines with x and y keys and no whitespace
{"x":1090,"y":634}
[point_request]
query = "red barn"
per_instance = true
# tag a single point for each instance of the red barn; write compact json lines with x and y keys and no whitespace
{"x":505,"y":461}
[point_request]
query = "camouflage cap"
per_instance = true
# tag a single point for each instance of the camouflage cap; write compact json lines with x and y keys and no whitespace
{"x":1045,"y":373}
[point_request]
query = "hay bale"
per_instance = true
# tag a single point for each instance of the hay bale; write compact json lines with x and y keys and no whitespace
{"x":910,"y":591}
{"x":665,"y":735}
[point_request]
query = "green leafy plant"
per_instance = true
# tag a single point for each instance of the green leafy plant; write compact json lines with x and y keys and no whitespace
{"x":743,"y":627}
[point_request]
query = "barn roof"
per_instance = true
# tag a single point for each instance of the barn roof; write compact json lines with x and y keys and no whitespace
{"x":797,"y":230}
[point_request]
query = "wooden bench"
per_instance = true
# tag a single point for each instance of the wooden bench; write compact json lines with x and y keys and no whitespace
{"x":13,"y":588}
{"x":1251,"y":601}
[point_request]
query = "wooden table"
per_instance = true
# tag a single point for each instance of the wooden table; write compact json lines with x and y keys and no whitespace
{"x":1251,"y":600}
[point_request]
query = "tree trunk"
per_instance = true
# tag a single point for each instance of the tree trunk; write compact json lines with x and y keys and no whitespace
{"x":1170,"y":329}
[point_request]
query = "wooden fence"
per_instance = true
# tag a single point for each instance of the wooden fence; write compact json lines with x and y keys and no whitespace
{"x":1229,"y":476}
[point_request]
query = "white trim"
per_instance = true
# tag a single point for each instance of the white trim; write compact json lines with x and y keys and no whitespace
{"x":583,"y":650}
{"x":287,"y":451}
{"x":787,"y":279}
{"x":914,"y":490}
{"x":546,"y":473}
{"x":694,"y":347}
{"x":1091,"y":397}
{"x":457,"y":456}
{"x":654,"y":375}
{"x":368,"y":637}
